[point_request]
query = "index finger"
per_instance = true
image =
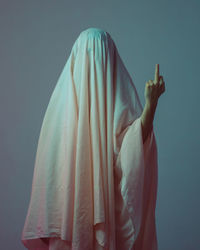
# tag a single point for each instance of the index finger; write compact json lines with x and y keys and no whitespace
{"x":156,"y":79}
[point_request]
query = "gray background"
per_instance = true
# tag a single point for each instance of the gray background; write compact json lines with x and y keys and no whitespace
{"x":35,"y":41}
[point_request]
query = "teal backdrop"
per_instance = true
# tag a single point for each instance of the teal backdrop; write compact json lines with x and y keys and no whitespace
{"x":36,"y":38}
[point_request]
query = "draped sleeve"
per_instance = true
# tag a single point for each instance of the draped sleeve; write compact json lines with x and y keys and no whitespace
{"x":136,"y":172}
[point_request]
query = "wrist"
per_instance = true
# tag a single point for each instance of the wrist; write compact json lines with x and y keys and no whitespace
{"x":151,"y":104}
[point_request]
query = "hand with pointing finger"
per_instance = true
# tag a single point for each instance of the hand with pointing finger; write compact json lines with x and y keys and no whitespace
{"x":154,"y":89}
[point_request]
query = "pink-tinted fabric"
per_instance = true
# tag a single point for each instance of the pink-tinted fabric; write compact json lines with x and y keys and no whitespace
{"x":94,"y":185}
{"x":136,"y":182}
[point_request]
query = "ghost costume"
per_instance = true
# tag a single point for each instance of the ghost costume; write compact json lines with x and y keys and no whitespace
{"x":94,"y":184}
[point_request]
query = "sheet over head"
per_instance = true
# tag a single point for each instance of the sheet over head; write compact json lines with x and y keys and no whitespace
{"x":93,"y":105}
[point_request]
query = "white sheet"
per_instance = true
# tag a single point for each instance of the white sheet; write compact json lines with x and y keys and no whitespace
{"x":90,"y":160}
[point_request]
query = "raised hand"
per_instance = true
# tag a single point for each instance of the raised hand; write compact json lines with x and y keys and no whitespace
{"x":154,"y":88}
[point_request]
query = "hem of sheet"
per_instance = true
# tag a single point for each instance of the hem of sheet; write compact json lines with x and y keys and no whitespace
{"x":134,"y":220}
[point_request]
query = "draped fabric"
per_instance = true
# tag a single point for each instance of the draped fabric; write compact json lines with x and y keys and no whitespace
{"x":94,"y":183}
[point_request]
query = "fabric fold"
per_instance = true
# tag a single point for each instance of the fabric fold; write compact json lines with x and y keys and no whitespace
{"x":136,"y":189}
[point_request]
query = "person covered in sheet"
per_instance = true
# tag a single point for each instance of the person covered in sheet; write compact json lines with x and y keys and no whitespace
{"x":95,"y":176}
